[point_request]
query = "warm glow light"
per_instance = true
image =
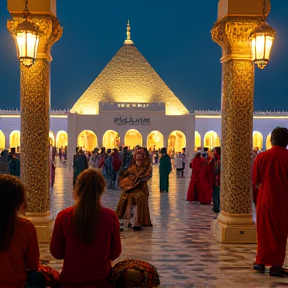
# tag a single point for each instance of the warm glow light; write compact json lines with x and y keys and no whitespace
{"x":27,"y":42}
{"x":261,"y":38}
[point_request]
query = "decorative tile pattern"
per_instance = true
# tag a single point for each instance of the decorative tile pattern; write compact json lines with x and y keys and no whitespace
{"x":180,"y":244}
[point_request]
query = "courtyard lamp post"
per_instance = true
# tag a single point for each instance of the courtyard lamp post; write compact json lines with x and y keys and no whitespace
{"x":34,"y":37}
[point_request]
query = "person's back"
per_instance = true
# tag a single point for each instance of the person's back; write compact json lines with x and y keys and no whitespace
{"x":270,"y":174}
{"x":87,"y":241}
{"x":18,"y":240}
{"x":273,"y":176}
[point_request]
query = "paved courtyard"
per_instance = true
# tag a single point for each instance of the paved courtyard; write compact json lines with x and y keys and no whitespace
{"x":180,"y":244}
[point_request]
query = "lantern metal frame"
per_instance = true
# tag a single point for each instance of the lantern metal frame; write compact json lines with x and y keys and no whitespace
{"x":26,"y":36}
{"x":262,"y":38}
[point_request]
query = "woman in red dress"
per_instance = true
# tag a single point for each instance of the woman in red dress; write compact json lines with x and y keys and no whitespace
{"x":196,"y":165}
{"x":206,"y":180}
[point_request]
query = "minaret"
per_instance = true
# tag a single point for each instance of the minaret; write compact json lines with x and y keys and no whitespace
{"x":128,"y":40}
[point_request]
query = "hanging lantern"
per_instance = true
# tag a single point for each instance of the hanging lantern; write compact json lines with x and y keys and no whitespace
{"x":26,"y":36}
{"x":261,"y":40}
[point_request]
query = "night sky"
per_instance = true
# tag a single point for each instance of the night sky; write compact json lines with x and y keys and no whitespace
{"x":173,"y":36}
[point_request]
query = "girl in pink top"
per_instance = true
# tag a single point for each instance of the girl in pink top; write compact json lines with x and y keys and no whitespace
{"x":86,"y":236}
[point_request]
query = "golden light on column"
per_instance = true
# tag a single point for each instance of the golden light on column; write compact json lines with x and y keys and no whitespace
{"x":262,"y":38}
{"x":232,"y":31}
{"x":35,"y":102}
{"x":26,"y":36}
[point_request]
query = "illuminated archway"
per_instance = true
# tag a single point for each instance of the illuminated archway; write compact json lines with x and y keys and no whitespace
{"x":211,"y":140}
{"x":111,"y":139}
{"x":176,"y":141}
{"x":257,"y":140}
{"x":268,"y":142}
{"x":87,"y":140}
{"x":197,"y":141}
{"x":61,"y":139}
{"x":51,"y":138}
{"x":155,"y":140}
{"x":2,"y":141}
{"x":14,"y":139}
{"x":133,"y":138}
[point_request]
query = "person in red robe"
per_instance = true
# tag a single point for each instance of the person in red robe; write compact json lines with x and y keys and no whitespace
{"x":207,"y":180}
{"x":196,"y":165}
{"x":270,"y":174}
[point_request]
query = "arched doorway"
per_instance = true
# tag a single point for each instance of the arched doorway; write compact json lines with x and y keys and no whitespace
{"x":257,"y":140}
{"x":155,"y":140}
{"x":268,"y":142}
{"x":111,"y":139}
{"x":197,"y":141}
{"x":87,"y":140}
{"x":61,"y":139}
{"x":176,"y":141}
{"x":14,"y":139}
{"x":133,"y":138}
{"x":211,"y":140}
{"x":2,"y":141}
{"x":51,"y":138}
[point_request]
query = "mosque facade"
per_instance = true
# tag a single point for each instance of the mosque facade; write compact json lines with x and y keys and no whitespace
{"x":129,"y":104}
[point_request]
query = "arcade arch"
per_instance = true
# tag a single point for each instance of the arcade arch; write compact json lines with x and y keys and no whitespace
{"x":61,"y":139}
{"x":111,"y":139}
{"x":87,"y":140}
{"x":51,"y":138}
{"x":257,"y":140}
{"x":197,"y":141}
{"x":211,"y":140}
{"x":133,"y":138}
{"x":176,"y":141}
{"x":155,"y":140}
{"x":268,"y":142}
{"x":14,"y":139}
{"x":2,"y":141}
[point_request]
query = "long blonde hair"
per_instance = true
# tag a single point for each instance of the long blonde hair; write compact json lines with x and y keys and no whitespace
{"x":89,"y":188}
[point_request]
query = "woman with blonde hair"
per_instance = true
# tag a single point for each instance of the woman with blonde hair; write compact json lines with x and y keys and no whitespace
{"x":86,"y":235}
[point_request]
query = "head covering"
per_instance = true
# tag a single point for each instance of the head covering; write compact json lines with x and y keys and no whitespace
{"x":163,"y":150}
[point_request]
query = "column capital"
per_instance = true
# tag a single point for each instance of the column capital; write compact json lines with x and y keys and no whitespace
{"x":232,"y":34}
{"x":49,"y":27}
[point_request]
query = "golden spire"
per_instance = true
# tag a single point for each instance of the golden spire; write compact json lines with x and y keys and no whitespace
{"x":128,"y":39}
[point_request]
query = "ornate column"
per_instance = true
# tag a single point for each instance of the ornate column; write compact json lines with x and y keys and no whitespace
{"x":34,"y":106}
{"x":236,"y":19}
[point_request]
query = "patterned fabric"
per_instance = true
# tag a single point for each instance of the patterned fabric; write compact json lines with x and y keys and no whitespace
{"x":124,"y":272}
{"x":51,"y":276}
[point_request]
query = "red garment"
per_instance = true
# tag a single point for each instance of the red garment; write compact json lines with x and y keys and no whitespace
{"x":271,"y":172}
{"x":86,"y":265}
{"x":197,"y":165}
{"x":206,"y":181}
{"x":23,"y":253}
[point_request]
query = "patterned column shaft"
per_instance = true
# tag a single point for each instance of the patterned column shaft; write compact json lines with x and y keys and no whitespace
{"x":236,"y":125}
{"x":34,"y":84}
{"x":232,"y":34}
{"x":35,"y":121}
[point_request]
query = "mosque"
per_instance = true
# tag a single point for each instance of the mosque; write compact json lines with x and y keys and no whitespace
{"x":129,"y":104}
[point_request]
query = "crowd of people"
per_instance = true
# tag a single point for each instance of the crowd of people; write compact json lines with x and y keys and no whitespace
{"x":88,"y":228}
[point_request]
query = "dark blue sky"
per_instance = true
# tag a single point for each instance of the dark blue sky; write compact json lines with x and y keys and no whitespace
{"x":173,"y":36}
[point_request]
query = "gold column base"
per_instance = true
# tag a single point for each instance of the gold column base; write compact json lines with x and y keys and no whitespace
{"x":43,"y":223}
{"x":234,"y":228}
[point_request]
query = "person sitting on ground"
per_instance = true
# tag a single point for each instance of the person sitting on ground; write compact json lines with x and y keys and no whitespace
{"x":86,"y":235}
{"x":135,"y":192}
{"x":19,"y":250}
